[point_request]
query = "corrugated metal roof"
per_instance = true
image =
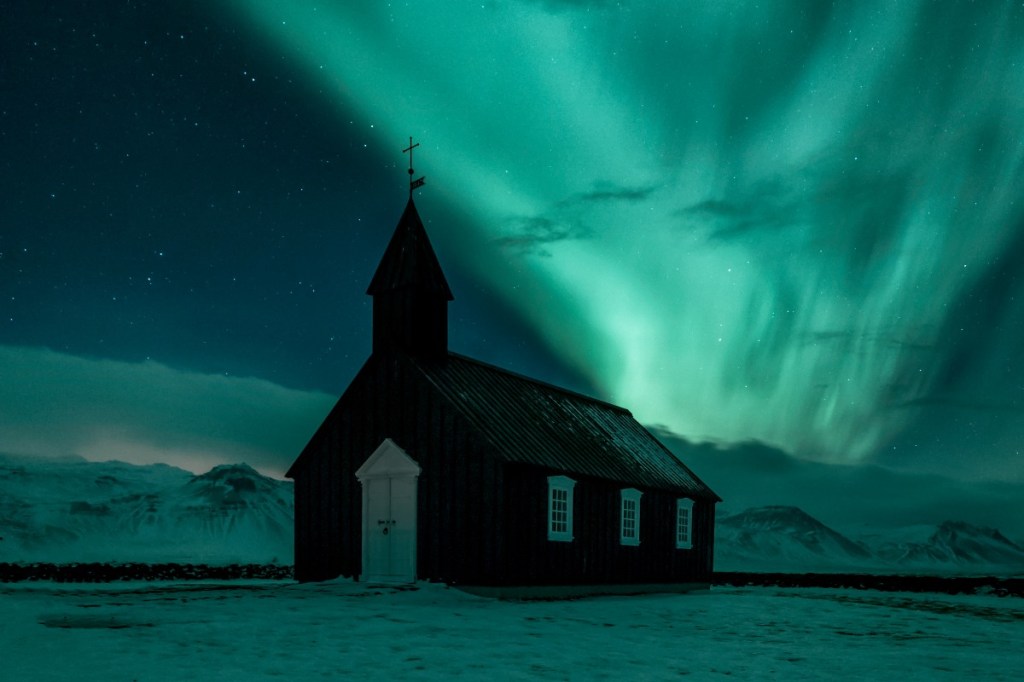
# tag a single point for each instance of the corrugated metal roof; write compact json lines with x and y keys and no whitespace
{"x":532,"y":422}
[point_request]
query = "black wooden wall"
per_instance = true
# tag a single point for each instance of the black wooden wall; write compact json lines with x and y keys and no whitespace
{"x":460,"y":488}
{"x":596,"y":556}
{"x":411,"y":322}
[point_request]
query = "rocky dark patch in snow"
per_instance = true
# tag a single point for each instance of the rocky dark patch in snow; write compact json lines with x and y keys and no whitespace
{"x":1000,"y":587}
{"x":113,"y":572}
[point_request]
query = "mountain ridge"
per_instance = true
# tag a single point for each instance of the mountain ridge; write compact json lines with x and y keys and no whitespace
{"x":72,"y":509}
{"x":779,"y":538}
{"x":77,"y":510}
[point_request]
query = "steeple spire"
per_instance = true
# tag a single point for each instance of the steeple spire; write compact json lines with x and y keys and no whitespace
{"x":409,"y":261}
{"x":410,"y":292}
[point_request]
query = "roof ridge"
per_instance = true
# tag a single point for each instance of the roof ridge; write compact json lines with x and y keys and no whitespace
{"x":533,"y":422}
{"x":544,"y":384}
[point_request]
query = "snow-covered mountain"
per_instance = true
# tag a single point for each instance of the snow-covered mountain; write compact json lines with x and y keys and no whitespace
{"x":781,"y":538}
{"x":74,"y":510}
{"x":953,"y":543}
{"x":787,"y":539}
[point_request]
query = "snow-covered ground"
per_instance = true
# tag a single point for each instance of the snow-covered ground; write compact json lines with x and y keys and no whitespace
{"x":340,"y":630}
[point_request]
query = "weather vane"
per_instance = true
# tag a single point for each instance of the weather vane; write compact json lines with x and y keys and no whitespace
{"x":420,"y":181}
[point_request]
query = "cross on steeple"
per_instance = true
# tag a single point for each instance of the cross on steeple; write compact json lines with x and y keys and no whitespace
{"x":420,"y":181}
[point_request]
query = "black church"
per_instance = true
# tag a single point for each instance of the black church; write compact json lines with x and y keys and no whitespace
{"x":435,"y":466}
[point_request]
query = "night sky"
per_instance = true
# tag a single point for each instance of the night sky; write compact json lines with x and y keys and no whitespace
{"x":785,"y":223}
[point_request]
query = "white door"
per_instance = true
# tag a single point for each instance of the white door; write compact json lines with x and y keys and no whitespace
{"x":403,"y":529}
{"x":389,"y":478}
{"x":377,"y":528}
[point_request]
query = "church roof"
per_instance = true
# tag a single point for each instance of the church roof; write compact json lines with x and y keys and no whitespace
{"x":531,"y":422}
{"x":409,"y":260}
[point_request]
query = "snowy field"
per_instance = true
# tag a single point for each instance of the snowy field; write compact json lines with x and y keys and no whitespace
{"x":278,"y":630}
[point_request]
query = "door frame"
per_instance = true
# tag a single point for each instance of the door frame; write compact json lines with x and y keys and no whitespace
{"x":388,"y":461}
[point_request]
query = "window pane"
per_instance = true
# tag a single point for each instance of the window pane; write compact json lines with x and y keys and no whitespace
{"x":684,"y":523}
{"x":559,"y":510}
{"x":629,"y":518}
{"x":683,"y":526}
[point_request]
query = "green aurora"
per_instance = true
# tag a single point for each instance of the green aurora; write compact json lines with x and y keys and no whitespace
{"x":792,"y":222}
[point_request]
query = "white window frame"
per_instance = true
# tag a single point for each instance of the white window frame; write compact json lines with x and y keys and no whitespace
{"x":629,"y":534}
{"x":560,"y":487}
{"x":684,"y":531}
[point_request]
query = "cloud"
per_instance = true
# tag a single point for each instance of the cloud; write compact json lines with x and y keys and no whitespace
{"x":566,"y":221}
{"x":610,"y":192}
{"x":731,"y":219}
{"x":58,"y":404}
{"x":530,"y":235}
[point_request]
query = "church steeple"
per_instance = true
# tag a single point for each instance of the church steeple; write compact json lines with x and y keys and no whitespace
{"x":410,"y":294}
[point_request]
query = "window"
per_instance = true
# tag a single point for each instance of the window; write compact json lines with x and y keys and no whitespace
{"x":560,"y":508}
{"x":684,"y":523}
{"x":630,"y":526}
